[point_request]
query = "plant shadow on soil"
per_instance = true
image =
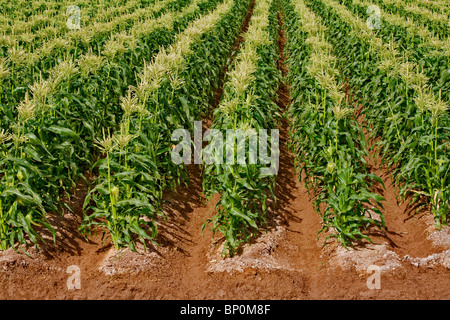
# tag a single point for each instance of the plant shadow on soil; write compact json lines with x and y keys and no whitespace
{"x":68,"y":237}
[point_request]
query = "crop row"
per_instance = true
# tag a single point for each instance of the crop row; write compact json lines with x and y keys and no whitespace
{"x":247,"y":105}
{"x":326,"y":138}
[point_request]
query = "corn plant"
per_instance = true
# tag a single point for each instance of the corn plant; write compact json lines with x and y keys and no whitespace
{"x":22,"y":205}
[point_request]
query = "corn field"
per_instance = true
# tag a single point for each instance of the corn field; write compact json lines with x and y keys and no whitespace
{"x":91,"y":92}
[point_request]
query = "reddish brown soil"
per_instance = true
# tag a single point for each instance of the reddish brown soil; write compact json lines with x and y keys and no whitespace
{"x":178,"y":268}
